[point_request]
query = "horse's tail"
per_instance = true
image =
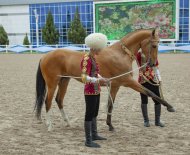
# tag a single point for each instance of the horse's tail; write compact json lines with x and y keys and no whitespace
{"x":40,"y":92}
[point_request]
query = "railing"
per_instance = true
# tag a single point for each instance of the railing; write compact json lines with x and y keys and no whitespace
{"x":163,"y":48}
{"x":174,"y":47}
{"x":40,"y":49}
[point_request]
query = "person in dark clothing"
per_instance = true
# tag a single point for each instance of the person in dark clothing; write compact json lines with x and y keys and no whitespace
{"x":150,"y":78}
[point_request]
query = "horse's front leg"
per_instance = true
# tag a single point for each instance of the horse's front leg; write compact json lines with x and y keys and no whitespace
{"x":111,"y":99}
{"x":138,"y":87}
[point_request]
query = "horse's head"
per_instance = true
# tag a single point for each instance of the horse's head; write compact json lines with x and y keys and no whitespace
{"x":150,"y":47}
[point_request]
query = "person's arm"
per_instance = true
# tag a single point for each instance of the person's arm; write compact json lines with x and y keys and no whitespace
{"x":88,"y":79}
{"x":99,"y":76}
{"x":86,"y":69}
{"x":157,"y":72}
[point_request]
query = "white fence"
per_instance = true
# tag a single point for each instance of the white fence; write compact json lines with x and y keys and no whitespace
{"x":163,"y":48}
{"x":40,"y":49}
{"x":174,"y":47}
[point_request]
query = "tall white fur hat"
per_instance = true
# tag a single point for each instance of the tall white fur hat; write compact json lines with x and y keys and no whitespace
{"x":96,"y":41}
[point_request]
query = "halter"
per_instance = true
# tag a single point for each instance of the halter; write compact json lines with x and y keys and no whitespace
{"x":132,"y":56}
{"x":148,"y":62}
{"x":150,"y":49}
{"x":126,"y":50}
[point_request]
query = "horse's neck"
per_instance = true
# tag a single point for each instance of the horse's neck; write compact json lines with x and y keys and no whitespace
{"x":136,"y":37}
{"x":133,"y":41}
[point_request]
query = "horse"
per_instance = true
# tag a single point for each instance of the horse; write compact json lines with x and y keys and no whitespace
{"x":113,"y":60}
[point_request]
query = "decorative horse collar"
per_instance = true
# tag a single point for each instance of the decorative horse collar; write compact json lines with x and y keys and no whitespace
{"x":126,"y":50}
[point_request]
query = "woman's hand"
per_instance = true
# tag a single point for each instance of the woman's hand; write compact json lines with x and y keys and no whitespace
{"x":104,"y":81}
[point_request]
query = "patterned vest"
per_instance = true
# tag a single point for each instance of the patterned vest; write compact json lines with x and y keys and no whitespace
{"x":90,"y":67}
{"x":145,"y":72}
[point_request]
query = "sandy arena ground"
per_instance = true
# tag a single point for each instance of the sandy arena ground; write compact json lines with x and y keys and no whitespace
{"x":21,"y":133}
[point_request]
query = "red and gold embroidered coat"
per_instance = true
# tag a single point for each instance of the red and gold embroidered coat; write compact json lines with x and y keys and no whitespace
{"x":90,"y":67}
{"x":147,"y":71}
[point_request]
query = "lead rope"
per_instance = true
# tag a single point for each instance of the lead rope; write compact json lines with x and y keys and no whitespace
{"x":108,"y":85}
{"x":109,"y":79}
{"x":157,"y":84}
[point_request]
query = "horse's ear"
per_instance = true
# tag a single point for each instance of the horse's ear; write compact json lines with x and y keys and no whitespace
{"x":155,"y":32}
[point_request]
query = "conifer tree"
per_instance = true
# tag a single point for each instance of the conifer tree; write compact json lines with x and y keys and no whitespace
{"x":76,"y":33}
{"x":49,"y":33}
{"x":3,"y":36}
{"x":26,"y":41}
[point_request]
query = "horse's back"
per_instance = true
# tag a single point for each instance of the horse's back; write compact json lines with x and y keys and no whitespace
{"x":61,"y":62}
{"x":62,"y":53}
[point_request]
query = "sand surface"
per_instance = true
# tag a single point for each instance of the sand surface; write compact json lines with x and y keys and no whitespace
{"x":21,"y":133}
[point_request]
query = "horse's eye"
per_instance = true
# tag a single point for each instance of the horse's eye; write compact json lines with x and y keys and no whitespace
{"x":154,"y":46}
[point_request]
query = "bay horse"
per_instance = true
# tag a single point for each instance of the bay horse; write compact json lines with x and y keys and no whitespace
{"x":113,"y":60}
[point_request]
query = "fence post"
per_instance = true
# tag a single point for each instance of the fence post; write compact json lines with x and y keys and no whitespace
{"x":173,"y":45}
{"x":6,"y":48}
{"x":83,"y":47}
{"x":174,"y":48}
{"x":30,"y":46}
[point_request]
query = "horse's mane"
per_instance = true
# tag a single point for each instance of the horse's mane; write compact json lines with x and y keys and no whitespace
{"x":131,"y":33}
{"x":137,"y":30}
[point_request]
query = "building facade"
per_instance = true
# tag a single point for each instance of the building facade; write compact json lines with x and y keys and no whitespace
{"x":18,"y":18}
{"x":63,"y":14}
{"x":184,"y":21}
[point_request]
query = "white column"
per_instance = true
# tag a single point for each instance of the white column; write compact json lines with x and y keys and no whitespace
{"x":37,"y":32}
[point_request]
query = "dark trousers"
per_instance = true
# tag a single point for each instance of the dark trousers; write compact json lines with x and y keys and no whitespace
{"x":92,"y":106}
{"x":154,"y":89}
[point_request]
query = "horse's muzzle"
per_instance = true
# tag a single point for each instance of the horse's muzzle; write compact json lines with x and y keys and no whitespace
{"x":151,"y":64}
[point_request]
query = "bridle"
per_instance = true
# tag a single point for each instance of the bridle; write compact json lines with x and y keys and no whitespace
{"x":131,"y":54}
{"x":127,"y":51}
{"x":151,"y":46}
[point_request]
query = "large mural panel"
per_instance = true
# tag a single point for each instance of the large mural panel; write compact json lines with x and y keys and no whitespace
{"x":116,"y":19}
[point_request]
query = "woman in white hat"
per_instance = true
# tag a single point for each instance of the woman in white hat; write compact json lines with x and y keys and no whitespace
{"x":91,"y":78}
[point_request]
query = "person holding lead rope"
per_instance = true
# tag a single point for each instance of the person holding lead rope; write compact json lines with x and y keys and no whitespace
{"x":150,"y":78}
{"x":91,"y":78}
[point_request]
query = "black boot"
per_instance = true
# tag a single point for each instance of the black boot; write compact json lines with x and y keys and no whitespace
{"x":89,"y":142}
{"x":145,"y":115}
{"x":94,"y":131}
{"x":157,"y":109}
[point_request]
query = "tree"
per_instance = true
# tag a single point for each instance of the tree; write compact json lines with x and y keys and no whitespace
{"x":3,"y":36}
{"x":76,"y":33}
{"x":26,"y":41}
{"x":49,"y":33}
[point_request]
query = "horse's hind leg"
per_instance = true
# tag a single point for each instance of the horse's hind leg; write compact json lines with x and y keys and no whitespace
{"x":48,"y":102}
{"x":63,"y":83}
{"x":113,"y":93}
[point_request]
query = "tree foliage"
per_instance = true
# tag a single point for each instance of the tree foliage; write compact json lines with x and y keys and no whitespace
{"x":26,"y":41}
{"x":3,"y":36}
{"x":49,"y":33}
{"x":76,"y":33}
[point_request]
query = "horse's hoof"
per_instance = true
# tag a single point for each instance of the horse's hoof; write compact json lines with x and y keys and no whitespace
{"x":111,"y":129}
{"x":50,"y":128}
{"x":49,"y":125}
{"x":171,"y":109}
{"x":68,"y":125}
